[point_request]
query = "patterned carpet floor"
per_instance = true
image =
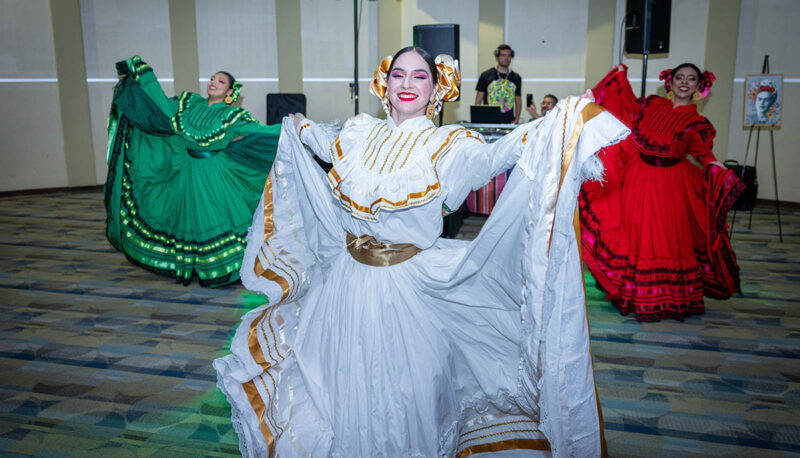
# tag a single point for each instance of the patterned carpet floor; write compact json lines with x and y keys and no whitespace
{"x":100,"y":358}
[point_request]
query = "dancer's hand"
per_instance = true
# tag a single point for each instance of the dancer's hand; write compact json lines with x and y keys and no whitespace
{"x":298,"y":118}
{"x":588,"y":95}
{"x":718,"y":164}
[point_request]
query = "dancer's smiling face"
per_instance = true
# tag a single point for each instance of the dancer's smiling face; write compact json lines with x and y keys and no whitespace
{"x":410,"y":86}
{"x":219,"y":86}
{"x":685,"y":82}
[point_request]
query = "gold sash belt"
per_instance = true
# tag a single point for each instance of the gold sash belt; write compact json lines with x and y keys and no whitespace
{"x":366,"y":250}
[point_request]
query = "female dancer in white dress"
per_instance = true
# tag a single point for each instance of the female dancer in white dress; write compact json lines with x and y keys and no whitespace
{"x":382,"y":339}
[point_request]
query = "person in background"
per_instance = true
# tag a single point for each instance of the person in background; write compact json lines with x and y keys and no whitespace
{"x":501,"y":86}
{"x":548,"y":102}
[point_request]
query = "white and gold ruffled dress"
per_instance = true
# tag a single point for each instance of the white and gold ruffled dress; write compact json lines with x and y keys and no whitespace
{"x":382,"y":339}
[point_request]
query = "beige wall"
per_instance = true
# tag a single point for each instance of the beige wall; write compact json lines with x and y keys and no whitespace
{"x":107,"y":40}
{"x":549,"y":41}
{"x":241,"y":39}
{"x":31,"y":137}
{"x":328,"y":63}
{"x":601,"y":29}
{"x":550,"y":38}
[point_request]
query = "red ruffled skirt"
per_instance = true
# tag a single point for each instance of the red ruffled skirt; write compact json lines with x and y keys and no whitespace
{"x":655,"y":237}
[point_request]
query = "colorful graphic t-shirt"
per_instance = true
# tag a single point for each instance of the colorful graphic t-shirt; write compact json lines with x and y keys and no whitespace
{"x":500,"y":89}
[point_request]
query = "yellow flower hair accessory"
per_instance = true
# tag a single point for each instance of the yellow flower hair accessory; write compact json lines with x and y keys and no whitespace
{"x":379,"y":85}
{"x":448,"y":77}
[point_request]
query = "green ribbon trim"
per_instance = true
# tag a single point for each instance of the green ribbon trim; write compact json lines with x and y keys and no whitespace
{"x":232,"y":116}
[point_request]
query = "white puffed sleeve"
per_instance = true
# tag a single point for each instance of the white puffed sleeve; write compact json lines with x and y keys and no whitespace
{"x":471,"y":162}
{"x":316,"y":138}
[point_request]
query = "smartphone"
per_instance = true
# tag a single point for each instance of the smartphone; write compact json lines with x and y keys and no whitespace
{"x":529,"y":100}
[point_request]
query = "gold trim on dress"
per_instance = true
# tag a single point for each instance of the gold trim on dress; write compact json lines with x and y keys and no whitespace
{"x":410,"y":150}
{"x":256,"y":352}
{"x":589,"y":111}
{"x":269,"y":274}
{"x":338,"y":147}
{"x":274,"y":339}
{"x":269,"y":226}
{"x":269,"y":230}
{"x":446,"y":143}
{"x":302,"y":128}
{"x":510,"y":444}
{"x":270,"y":407}
{"x":376,"y":148}
{"x":400,"y":152}
{"x":388,"y":204}
{"x":257,"y":403}
{"x":389,"y":154}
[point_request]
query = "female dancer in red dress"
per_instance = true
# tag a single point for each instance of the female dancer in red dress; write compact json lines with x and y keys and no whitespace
{"x":654,"y":232}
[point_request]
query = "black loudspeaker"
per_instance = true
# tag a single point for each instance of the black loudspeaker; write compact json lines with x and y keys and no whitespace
{"x":281,"y":104}
{"x":438,"y":39}
{"x":647,"y":26}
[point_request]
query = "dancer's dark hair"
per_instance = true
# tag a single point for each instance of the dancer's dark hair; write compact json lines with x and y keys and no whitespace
{"x":424,"y":54}
{"x":700,"y":76}
{"x":231,"y":79}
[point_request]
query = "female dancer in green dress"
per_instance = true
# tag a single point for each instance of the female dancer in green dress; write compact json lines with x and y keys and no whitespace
{"x":184,"y":176}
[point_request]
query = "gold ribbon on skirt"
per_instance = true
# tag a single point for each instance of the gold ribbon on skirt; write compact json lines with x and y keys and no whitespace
{"x":366,"y":250}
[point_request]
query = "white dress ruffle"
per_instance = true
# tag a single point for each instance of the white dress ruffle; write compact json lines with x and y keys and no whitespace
{"x":466,"y":348}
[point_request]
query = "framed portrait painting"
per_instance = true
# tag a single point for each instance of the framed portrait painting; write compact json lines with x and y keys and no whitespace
{"x":763,"y":99}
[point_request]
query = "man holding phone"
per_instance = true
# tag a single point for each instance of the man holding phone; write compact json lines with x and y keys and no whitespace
{"x":548,"y":102}
{"x":501,"y":86}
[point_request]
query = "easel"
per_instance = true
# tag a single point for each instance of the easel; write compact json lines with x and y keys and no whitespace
{"x":764,"y":69}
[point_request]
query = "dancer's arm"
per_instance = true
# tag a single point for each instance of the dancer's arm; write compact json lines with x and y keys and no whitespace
{"x":137,"y":72}
{"x":699,"y":144}
{"x":615,"y":94}
{"x":313,"y":136}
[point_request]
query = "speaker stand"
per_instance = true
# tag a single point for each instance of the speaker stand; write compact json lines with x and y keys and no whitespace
{"x":644,"y":72}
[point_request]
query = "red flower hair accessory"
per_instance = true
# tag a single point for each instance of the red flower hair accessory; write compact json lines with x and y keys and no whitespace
{"x":666,"y":77}
{"x":705,"y":86}
{"x":762,"y":86}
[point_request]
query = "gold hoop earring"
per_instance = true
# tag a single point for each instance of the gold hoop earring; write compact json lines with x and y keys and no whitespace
{"x":697,"y":96}
{"x":430,"y":112}
{"x":228,"y":99}
{"x":670,"y":94}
